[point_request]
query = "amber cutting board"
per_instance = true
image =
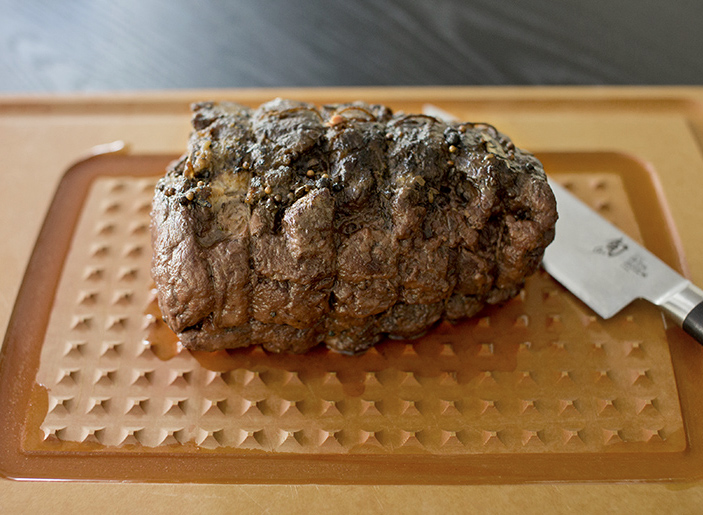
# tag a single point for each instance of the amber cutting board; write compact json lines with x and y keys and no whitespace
{"x":537,"y":391}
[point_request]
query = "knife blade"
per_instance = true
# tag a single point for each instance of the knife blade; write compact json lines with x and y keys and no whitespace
{"x":607,"y":269}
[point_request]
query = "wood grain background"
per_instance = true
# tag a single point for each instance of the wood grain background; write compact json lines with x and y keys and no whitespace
{"x":83,"y":45}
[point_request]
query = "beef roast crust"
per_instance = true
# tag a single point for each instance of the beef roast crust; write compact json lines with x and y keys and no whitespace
{"x":291,"y":225}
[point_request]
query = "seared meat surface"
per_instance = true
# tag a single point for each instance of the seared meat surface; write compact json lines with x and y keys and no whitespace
{"x":291,"y":225}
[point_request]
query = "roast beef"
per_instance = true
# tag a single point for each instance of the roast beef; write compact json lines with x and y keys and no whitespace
{"x":291,"y":225}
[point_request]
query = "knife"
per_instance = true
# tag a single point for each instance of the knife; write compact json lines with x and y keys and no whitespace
{"x":607,"y":269}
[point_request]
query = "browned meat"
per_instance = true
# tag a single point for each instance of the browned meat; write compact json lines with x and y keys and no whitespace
{"x":289,"y":226}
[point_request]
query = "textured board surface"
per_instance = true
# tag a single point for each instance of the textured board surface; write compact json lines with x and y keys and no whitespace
{"x":540,"y":377}
{"x":540,"y":374}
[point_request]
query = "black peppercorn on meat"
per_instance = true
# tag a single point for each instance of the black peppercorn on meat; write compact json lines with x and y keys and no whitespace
{"x":291,"y":225}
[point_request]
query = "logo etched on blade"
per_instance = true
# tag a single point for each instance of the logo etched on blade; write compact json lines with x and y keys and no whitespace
{"x":612,"y":248}
{"x":637,"y":265}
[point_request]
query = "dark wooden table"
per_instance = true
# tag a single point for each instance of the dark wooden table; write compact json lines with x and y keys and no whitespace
{"x":83,"y":45}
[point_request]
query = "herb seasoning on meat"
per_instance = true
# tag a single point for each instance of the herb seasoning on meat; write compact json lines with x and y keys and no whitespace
{"x":291,"y":225}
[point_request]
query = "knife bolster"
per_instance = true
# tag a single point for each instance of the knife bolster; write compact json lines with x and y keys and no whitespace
{"x":680,"y":304}
{"x":685,"y":307}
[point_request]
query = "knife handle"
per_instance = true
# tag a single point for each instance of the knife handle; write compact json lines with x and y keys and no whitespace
{"x":686,"y":308}
{"x":693,"y":323}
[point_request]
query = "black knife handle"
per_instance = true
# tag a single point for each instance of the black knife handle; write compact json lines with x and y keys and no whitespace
{"x":693,"y":323}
